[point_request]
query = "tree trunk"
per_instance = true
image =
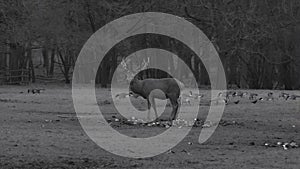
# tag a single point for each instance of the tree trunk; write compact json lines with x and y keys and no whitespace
{"x":114,"y":65}
{"x":196,"y":69}
{"x":67,"y":77}
{"x":104,"y":75}
{"x":286,"y":76}
{"x":65,"y":60}
{"x":32,"y":73}
{"x":204,"y":75}
{"x":46,"y":60}
{"x":52,"y":60}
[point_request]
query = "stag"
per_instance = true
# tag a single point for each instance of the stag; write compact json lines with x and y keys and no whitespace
{"x":151,"y":89}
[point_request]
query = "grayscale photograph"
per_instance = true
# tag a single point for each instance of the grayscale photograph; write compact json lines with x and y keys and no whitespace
{"x":142,"y":84}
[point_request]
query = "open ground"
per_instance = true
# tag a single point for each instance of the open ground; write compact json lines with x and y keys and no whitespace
{"x":42,"y":131}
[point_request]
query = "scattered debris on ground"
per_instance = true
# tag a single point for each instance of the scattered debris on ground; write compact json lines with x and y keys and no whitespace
{"x":284,"y":145}
{"x":175,"y":123}
{"x":105,"y":102}
{"x":35,"y":91}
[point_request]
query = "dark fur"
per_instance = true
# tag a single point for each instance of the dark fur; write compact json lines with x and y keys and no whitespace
{"x":168,"y":85}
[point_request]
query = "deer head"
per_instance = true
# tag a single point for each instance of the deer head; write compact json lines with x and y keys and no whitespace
{"x":131,"y":73}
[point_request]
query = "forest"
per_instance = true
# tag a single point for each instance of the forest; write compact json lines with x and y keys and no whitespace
{"x":257,"y":40}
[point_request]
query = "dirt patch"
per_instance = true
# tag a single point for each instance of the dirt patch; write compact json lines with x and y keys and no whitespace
{"x":42,"y":131}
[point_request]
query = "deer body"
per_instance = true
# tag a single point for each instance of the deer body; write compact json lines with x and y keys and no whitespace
{"x":166,"y":88}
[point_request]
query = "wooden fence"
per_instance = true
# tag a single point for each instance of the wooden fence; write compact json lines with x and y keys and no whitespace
{"x":20,"y":76}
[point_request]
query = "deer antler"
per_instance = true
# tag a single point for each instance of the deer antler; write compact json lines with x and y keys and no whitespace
{"x":144,"y":65}
{"x":129,"y":73}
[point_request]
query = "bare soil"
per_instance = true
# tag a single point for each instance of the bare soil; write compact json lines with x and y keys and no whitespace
{"x":42,"y":131}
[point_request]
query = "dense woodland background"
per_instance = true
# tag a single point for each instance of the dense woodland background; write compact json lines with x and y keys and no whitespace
{"x":258,"y":40}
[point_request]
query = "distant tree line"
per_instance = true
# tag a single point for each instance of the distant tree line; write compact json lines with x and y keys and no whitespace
{"x":258,"y":41}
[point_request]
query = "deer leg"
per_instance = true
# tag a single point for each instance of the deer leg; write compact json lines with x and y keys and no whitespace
{"x":149,"y":108}
{"x":171,"y":117}
{"x":152,"y":101}
{"x":174,"y":103}
{"x":179,"y":102}
{"x":176,"y":110}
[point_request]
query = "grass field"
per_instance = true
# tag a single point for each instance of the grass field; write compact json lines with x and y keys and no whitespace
{"x":42,"y":131}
